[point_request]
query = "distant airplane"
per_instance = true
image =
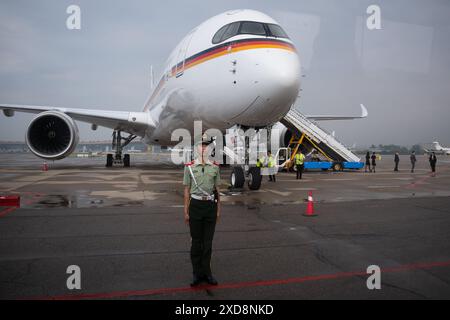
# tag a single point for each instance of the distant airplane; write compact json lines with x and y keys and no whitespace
{"x":236,"y":69}
{"x":438,"y":149}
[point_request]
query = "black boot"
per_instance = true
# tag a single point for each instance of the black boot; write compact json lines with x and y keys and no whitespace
{"x":196,"y":280}
{"x":211,"y":280}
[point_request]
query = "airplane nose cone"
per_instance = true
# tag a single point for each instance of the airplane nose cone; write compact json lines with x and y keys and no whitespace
{"x":284,"y":77}
{"x":281,"y":83}
{"x":271,"y":83}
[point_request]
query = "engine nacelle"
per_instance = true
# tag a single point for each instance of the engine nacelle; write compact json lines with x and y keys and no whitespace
{"x":282,"y":133}
{"x":52,"y":135}
{"x":285,"y":137}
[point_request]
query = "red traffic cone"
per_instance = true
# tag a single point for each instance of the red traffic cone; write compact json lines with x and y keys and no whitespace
{"x":310,"y":206}
{"x":45,"y":166}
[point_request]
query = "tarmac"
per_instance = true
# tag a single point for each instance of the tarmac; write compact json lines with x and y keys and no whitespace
{"x":124,"y":228}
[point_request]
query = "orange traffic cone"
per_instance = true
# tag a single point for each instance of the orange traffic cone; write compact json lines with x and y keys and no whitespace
{"x":45,"y":166}
{"x":310,"y":206}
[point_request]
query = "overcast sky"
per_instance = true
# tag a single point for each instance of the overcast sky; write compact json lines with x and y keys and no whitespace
{"x":401,"y":72}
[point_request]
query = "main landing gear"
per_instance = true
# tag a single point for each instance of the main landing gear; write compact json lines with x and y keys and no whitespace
{"x":118,"y":144}
{"x":254,"y":178}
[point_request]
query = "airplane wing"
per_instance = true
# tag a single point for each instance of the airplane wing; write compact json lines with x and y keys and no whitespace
{"x":136,"y":123}
{"x":363,"y":115}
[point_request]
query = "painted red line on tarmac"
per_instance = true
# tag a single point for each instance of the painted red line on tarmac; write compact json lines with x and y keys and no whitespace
{"x":414,"y":184}
{"x":239,"y":285}
{"x":6,"y":211}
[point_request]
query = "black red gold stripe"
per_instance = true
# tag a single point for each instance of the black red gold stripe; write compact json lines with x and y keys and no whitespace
{"x":230,"y":47}
{"x":221,"y":50}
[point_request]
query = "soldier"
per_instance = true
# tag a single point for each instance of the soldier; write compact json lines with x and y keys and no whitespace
{"x":201,"y":211}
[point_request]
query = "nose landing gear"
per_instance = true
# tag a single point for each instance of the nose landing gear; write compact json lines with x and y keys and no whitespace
{"x":118,"y":144}
{"x":245,"y":168}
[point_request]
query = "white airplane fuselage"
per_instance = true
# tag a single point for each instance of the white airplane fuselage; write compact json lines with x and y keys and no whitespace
{"x":438,"y":149}
{"x":249,"y":80}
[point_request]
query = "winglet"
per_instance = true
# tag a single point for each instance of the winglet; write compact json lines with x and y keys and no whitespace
{"x":364,"y":112}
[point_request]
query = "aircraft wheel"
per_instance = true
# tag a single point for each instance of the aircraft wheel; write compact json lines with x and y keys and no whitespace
{"x":126,"y":161}
{"x":109,"y":160}
{"x":254,"y":178}
{"x":237,"y":178}
{"x":337,"y":166}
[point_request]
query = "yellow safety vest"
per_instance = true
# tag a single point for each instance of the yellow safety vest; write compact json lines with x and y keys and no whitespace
{"x":299,"y":159}
{"x":271,"y":162}
{"x":260,"y":162}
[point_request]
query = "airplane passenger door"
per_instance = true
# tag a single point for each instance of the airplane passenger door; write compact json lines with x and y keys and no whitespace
{"x":181,"y":57}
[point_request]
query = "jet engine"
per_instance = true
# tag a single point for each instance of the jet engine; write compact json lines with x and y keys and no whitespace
{"x":52,"y":135}
{"x":285,"y":137}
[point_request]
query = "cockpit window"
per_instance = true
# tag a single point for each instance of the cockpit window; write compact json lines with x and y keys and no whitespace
{"x":232,"y":30}
{"x":248,"y":27}
{"x":226,"y":32}
{"x":218,"y":36}
{"x":277,"y":31}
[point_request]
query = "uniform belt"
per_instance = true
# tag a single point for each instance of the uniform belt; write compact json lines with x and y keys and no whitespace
{"x":203,"y":198}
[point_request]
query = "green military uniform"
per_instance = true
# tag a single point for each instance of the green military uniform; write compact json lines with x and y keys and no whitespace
{"x":299,"y":164}
{"x":202,"y":213}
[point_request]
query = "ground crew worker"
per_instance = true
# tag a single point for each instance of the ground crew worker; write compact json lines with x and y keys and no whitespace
{"x":299,"y":163}
{"x":260,"y":161}
{"x":201,"y":211}
{"x":271,"y":166}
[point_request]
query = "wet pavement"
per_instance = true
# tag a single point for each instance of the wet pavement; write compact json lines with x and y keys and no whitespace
{"x":124,"y":228}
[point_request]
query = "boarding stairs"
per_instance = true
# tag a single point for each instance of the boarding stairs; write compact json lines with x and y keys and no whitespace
{"x":321,"y":140}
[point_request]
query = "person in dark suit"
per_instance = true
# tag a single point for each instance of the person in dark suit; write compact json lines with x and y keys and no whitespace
{"x":374,"y":162}
{"x":367,"y":162}
{"x":396,"y":161}
{"x":413,"y":161}
{"x":433,"y":161}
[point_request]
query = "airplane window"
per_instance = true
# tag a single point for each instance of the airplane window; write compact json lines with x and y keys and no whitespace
{"x":218,"y":36}
{"x":248,"y":27}
{"x":277,"y":31}
{"x":226,"y":32}
{"x":232,"y":30}
{"x":252,"y":28}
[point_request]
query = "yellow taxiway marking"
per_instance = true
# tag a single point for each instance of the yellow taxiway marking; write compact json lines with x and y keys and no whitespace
{"x":38,"y":179}
{"x":280,"y":193}
{"x":339,"y":179}
{"x":132,"y":195}
{"x":302,"y":189}
{"x":382,"y":187}
{"x":84,"y":182}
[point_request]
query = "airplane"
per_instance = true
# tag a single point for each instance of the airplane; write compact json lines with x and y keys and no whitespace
{"x":238,"y":68}
{"x":438,"y":149}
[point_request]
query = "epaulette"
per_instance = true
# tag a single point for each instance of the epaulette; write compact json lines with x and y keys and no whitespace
{"x":189,"y":163}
